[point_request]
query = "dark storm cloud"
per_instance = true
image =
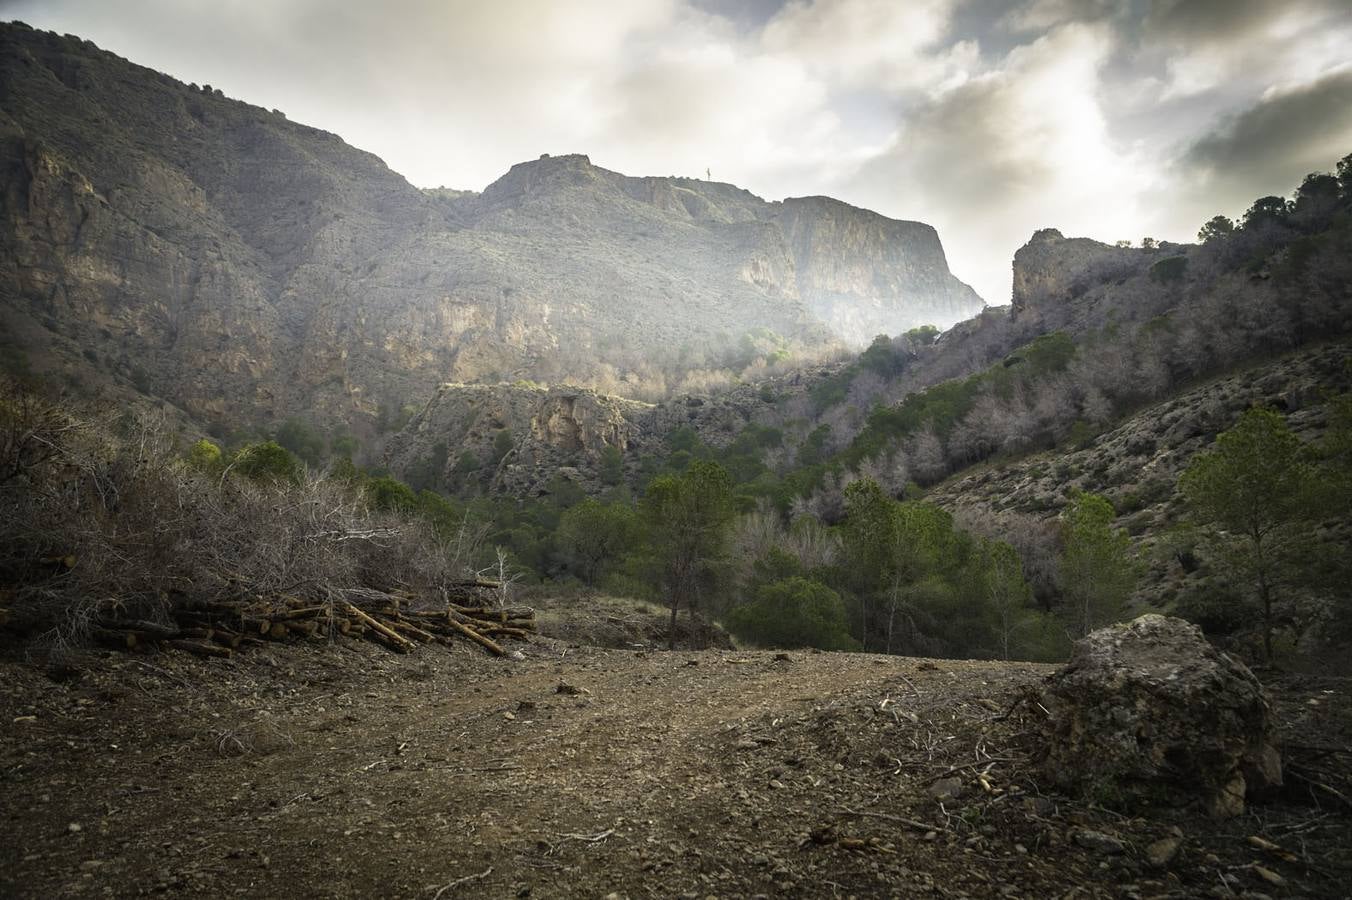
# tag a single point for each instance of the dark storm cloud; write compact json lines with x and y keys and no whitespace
{"x":1221,"y":21}
{"x":1284,"y":135}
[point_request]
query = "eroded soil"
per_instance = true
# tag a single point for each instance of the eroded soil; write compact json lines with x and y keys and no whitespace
{"x":316,"y":771}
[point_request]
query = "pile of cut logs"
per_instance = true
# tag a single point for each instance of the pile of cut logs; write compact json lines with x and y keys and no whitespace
{"x":395,"y":620}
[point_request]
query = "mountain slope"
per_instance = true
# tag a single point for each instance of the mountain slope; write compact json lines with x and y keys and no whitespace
{"x":248,"y":268}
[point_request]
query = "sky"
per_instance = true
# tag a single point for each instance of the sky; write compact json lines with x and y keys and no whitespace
{"x":988,"y":119}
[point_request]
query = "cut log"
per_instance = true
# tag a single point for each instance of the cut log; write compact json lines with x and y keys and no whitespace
{"x":307,"y":627}
{"x":486,"y":625}
{"x":277,"y":631}
{"x":212,"y":607}
{"x":393,"y":638}
{"x":200,"y":649}
{"x":118,"y":640}
{"x":488,"y":612}
{"x":303,"y":612}
{"x":197,"y":634}
{"x":476,"y":582}
{"x":507,"y":630}
{"x":149,"y":629}
{"x":487,"y":643}
{"x":226,"y":638}
{"x":410,"y":629}
{"x":254,"y":625}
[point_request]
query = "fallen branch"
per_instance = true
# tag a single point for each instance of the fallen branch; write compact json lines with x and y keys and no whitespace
{"x":900,"y":820}
{"x":450,"y":885}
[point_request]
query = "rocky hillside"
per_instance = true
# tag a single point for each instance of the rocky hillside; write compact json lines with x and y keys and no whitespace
{"x":1138,"y":463}
{"x":248,"y":268}
{"x":517,"y":438}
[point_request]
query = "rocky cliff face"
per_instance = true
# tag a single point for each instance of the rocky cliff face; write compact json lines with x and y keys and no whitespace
{"x":853,"y":266}
{"x":513,"y":438}
{"x":249,"y":268}
{"x":1079,"y":283}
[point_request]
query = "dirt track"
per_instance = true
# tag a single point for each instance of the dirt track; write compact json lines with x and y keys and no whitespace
{"x":349,"y":772}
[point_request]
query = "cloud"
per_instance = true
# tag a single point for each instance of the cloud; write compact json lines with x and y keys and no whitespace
{"x":985,"y":118}
{"x":1286,"y":134}
{"x":1043,"y":15}
{"x":1238,"y":46}
{"x":1017,"y":148}
{"x":878,"y":43}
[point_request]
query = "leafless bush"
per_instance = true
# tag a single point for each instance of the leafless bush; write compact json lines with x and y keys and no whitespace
{"x":101,"y":517}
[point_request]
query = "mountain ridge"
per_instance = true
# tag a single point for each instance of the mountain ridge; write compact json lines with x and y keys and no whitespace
{"x":249,"y":269}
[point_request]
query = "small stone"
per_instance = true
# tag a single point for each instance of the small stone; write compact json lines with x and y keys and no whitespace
{"x":1269,"y":876}
{"x":745,"y":744}
{"x":776,"y":784}
{"x":946,"y":789}
{"x":1162,"y":852}
{"x":518,"y":656}
{"x":1039,"y":806}
{"x":74,"y":828}
{"x":1098,"y":841}
{"x":509,"y":717}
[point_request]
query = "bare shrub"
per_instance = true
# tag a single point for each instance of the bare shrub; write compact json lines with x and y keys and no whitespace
{"x":100,"y":518}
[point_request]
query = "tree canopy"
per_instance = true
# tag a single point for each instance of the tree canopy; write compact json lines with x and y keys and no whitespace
{"x":1250,"y":493}
{"x":687,"y":516}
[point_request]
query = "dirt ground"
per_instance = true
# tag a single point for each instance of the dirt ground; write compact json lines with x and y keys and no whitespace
{"x":315,"y":771}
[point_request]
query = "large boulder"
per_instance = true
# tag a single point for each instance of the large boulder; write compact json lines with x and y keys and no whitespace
{"x":1148,"y":710}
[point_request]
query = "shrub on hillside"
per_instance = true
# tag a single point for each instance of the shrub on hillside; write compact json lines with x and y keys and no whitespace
{"x":267,"y":461}
{"x":794,"y":612}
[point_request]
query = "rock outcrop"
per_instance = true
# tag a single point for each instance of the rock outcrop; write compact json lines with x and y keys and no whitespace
{"x":853,"y":265}
{"x":1148,"y":710}
{"x":1069,"y":282}
{"x":521,"y":436}
{"x":513,"y":438}
{"x":249,"y":268}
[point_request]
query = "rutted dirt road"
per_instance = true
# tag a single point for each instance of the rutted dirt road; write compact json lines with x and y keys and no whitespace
{"x":349,"y":772}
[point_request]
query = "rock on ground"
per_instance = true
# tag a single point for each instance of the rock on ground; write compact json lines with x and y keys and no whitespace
{"x":1148,"y":710}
